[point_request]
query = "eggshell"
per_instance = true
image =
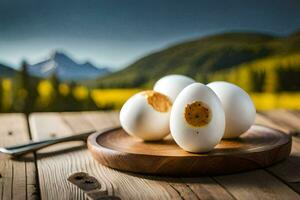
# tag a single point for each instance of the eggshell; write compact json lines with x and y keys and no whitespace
{"x":239,"y":109}
{"x":197,"y":120}
{"x":146,"y":115}
{"x":172,"y":85}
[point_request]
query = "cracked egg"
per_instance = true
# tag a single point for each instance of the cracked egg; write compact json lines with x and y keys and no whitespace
{"x":197,"y":120}
{"x":146,"y":115}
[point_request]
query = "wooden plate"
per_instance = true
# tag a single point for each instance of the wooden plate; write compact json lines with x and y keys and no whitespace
{"x":258,"y":147}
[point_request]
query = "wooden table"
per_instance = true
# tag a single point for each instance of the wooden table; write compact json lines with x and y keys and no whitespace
{"x":44,"y":174}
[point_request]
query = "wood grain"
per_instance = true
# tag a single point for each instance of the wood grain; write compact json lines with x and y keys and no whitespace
{"x":262,"y":184}
{"x":55,"y":167}
{"x":257,"y":184}
{"x":17,"y":177}
{"x":288,"y":171}
{"x":154,"y":187}
{"x":124,"y":185}
{"x":53,"y":163}
{"x":258,"y":147}
{"x":285,"y":120}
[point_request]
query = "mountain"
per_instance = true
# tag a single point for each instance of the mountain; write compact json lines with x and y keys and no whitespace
{"x":66,"y":69}
{"x":6,"y":71}
{"x":202,"y":56}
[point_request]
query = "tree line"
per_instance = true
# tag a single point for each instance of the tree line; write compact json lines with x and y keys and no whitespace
{"x":26,"y":94}
{"x":271,"y":80}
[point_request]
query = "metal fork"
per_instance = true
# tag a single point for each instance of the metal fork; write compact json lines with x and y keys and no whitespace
{"x":19,"y":150}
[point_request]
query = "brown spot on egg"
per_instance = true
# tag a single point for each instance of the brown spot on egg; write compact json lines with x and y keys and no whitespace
{"x":158,"y":101}
{"x":197,"y":114}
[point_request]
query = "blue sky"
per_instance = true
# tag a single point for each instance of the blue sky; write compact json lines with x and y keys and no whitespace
{"x":117,"y":32}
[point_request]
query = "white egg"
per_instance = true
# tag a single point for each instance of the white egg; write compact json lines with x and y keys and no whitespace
{"x":172,"y":85}
{"x":197,"y":120}
{"x":239,"y":109}
{"x":146,"y":115}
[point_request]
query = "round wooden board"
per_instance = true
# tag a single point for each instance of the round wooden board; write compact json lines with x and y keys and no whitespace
{"x":258,"y":147}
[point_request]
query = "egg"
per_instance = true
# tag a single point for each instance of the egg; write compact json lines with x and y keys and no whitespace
{"x":146,"y":115}
{"x":197,"y":120}
{"x":238,"y":107}
{"x":172,"y":85}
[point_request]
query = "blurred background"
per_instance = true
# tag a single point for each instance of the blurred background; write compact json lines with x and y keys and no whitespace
{"x":77,"y":55}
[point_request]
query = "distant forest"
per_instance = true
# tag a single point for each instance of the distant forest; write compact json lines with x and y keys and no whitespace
{"x":271,"y":75}
{"x":24,"y":93}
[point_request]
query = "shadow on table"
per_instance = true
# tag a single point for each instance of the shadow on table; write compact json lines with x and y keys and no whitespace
{"x":47,"y":153}
{"x":54,"y":150}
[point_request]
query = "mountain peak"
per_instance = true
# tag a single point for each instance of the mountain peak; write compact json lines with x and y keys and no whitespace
{"x":60,"y":56}
{"x":58,"y":53}
{"x":65,"y":68}
{"x":87,"y":63}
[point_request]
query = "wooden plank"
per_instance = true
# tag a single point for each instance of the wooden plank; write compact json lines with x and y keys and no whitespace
{"x":263,"y":184}
{"x":54,"y":169}
{"x":53,"y":162}
{"x":256,"y":184}
{"x":282,"y":119}
{"x":204,"y":188}
{"x":286,"y":118}
{"x":296,"y":146}
{"x":48,"y":125}
{"x":288,"y":171}
{"x":263,"y":119}
{"x":17,"y":177}
{"x":185,"y":188}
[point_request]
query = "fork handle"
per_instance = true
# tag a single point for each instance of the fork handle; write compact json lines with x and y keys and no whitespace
{"x":33,"y":146}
